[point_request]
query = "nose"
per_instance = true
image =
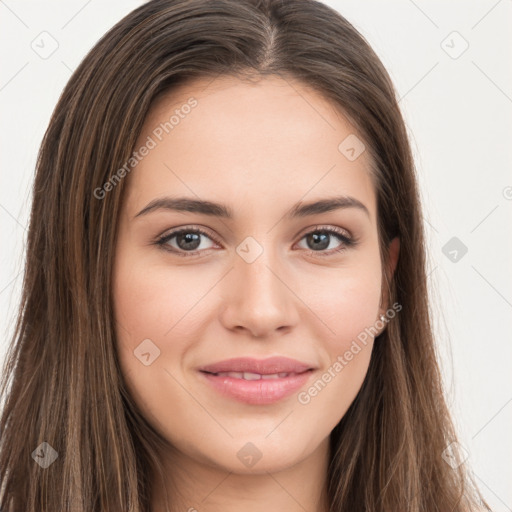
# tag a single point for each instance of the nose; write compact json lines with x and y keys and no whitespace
{"x":259,"y":298}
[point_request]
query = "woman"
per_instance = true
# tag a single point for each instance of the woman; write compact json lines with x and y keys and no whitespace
{"x":225,"y":299}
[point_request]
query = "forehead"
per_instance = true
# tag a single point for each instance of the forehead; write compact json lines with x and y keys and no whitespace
{"x":270,"y":141}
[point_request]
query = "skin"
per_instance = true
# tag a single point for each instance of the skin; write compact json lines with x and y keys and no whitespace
{"x":259,"y":148}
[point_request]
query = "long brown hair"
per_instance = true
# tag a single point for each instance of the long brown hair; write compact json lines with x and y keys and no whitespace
{"x":62,"y":383}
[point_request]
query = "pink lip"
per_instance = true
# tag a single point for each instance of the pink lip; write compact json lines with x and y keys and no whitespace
{"x":262,"y":391}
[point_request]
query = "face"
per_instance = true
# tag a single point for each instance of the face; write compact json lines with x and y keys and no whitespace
{"x":203,"y":300}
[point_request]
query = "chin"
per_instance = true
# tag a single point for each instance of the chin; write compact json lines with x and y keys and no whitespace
{"x":260,"y":456}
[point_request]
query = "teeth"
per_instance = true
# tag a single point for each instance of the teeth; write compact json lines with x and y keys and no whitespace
{"x":281,"y":375}
{"x":252,"y":376}
{"x":234,"y":375}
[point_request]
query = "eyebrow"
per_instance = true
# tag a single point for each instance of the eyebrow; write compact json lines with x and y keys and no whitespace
{"x":300,"y":209}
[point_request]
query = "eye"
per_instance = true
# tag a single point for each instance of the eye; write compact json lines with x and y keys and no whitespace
{"x":186,"y":241}
{"x":321,"y":239}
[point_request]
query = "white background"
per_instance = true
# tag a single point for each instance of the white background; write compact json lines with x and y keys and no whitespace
{"x":458,"y":111}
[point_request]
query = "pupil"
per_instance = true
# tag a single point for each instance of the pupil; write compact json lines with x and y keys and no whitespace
{"x":315,"y":239}
{"x":190,"y":238}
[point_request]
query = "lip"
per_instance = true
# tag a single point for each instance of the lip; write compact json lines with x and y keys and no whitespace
{"x":267,"y":366}
{"x":263,"y":390}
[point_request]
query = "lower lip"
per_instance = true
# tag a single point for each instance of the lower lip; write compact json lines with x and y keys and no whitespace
{"x":258,"y":392}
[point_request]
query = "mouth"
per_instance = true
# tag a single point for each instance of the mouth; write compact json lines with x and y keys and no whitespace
{"x":257,"y":382}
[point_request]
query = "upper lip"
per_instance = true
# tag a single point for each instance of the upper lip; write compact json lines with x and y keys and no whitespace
{"x":267,"y":366}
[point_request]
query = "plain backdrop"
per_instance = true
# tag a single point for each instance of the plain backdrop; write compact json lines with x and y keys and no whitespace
{"x":451,"y":62}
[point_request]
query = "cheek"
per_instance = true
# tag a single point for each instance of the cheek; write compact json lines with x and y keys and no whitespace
{"x":156,"y":304}
{"x":146,"y":307}
{"x":350,"y":311}
{"x":152,"y":301}
{"x":347,"y":302}
{"x":348,"y":305}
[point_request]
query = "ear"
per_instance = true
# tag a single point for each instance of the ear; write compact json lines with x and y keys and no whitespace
{"x":393,"y":254}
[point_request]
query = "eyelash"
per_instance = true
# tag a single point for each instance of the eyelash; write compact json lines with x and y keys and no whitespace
{"x":338,"y":233}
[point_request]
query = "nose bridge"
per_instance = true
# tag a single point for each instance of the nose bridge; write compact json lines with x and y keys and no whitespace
{"x":258,"y":276}
{"x":255,"y":269}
